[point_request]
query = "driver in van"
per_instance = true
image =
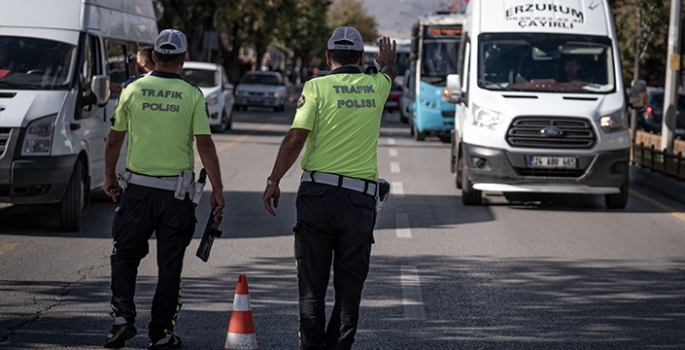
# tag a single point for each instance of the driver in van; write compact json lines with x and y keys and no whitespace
{"x":572,"y":69}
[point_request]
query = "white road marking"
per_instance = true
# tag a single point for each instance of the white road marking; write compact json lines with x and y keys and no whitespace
{"x":412,"y":299}
{"x":402,"y":229}
{"x":395,"y":167}
{"x":397,"y":189}
{"x":392,"y":152}
{"x":392,"y":142}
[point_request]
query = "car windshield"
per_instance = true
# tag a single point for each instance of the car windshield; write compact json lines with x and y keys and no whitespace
{"x":263,"y":79}
{"x":657,"y":100}
{"x":31,"y":63}
{"x":439,"y":60}
{"x":546,"y":62}
{"x":201,"y":77}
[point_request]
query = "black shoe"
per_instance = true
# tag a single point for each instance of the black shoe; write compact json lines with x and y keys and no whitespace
{"x":118,"y":334}
{"x":171,"y":342}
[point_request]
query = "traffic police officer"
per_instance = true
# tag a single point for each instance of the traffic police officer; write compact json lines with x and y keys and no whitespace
{"x":161,"y":114}
{"x":339,"y":119}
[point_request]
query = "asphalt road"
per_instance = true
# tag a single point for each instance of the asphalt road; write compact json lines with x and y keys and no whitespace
{"x":560,"y":273}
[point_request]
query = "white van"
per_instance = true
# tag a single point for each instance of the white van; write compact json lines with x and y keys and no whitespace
{"x":541,"y":104}
{"x":58,"y":60}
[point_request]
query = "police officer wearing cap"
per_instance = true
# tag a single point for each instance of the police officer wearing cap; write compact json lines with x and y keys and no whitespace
{"x":162,"y":114}
{"x":338,"y":118}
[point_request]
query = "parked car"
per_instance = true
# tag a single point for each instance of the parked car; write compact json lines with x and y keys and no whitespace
{"x":211,"y":79}
{"x":393,"y":102}
{"x":652,"y":113}
{"x":261,"y":89}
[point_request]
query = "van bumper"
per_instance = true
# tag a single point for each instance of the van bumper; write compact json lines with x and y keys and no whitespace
{"x":433,"y":120}
{"x":38,"y":180}
{"x":508,"y":171}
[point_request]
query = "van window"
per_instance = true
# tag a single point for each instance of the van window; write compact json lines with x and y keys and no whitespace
{"x":546,"y":62}
{"x":35,"y":64}
{"x":116,"y":62}
{"x":89,"y":67}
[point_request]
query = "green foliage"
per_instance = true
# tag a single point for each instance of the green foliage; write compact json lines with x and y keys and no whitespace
{"x":352,"y":13}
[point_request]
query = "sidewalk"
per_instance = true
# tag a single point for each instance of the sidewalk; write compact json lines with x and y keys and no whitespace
{"x":658,"y":182}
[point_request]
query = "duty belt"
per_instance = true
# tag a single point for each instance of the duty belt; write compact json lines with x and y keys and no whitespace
{"x":349,"y":183}
{"x":162,"y":183}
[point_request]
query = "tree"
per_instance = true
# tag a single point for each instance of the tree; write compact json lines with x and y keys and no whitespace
{"x":641,"y":33}
{"x":352,"y":13}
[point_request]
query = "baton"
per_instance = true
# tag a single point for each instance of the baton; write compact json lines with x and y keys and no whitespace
{"x":211,"y":232}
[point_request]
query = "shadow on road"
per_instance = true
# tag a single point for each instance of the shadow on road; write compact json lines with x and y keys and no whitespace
{"x":470,"y":303}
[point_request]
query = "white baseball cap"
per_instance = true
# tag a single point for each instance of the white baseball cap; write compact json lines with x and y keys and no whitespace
{"x":171,"y":42}
{"x":349,"y":34}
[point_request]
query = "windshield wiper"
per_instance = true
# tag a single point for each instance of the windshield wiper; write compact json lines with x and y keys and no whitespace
{"x":499,"y":85}
{"x":17,"y":85}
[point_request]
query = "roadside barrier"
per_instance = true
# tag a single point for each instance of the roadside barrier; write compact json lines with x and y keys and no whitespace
{"x":241,"y":333}
{"x":645,"y":152}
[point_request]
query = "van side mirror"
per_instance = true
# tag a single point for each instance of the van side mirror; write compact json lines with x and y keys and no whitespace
{"x":100,"y":88}
{"x":638,"y":89}
{"x":453,"y":93}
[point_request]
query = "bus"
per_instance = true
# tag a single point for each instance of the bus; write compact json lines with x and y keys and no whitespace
{"x":434,"y":52}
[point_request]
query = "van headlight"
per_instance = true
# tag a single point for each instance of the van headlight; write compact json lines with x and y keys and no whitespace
{"x":614,"y":122}
{"x":486,"y":118}
{"x":212,"y":99}
{"x":38,"y":137}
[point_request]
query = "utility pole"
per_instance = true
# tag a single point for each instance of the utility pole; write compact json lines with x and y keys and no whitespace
{"x":672,"y":71}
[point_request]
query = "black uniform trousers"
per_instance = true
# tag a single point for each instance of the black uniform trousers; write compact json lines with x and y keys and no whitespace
{"x":142,"y":211}
{"x":333,"y":225}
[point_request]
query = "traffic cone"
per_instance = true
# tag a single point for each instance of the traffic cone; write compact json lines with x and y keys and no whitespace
{"x":241,"y":334}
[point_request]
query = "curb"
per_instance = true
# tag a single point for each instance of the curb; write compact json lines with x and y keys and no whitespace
{"x":665,"y":185}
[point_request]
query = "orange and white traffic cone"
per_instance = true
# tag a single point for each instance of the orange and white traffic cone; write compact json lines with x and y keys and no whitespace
{"x":241,"y":334}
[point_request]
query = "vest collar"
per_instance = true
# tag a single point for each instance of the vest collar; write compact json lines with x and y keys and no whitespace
{"x":345,"y":69}
{"x":156,"y":73}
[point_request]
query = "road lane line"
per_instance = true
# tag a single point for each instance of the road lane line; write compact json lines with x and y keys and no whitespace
{"x":393,"y":152}
{"x":402,"y":229}
{"x":392,"y":142}
{"x":395,"y":167}
{"x":659,"y":205}
{"x":230,"y":144}
{"x":412,"y":299}
{"x":397,"y":189}
{"x":6,"y":247}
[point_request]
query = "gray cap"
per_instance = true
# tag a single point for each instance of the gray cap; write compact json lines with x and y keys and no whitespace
{"x":350,"y":34}
{"x":173,"y":41}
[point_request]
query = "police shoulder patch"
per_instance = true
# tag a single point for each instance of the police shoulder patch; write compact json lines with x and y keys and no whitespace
{"x":301,"y":101}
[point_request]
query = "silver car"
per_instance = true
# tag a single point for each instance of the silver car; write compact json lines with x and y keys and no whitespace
{"x":261,"y":89}
{"x":211,"y":79}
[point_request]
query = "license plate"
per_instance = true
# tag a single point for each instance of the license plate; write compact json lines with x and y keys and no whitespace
{"x":553,"y":162}
{"x":255,"y":99}
{"x":392,"y":104}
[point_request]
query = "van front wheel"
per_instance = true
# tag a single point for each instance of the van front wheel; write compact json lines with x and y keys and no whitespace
{"x":72,"y":201}
{"x":618,"y":200}
{"x":469,"y":195}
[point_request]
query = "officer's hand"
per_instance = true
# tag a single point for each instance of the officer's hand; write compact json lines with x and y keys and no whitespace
{"x":387,"y":51}
{"x":112,"y":188}
{"x":269,"y":193}
{"x":217,"y":202}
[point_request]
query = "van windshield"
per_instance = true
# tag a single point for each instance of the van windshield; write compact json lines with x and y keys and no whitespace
{"x":36,"y":64}
{"x":546,"y":62}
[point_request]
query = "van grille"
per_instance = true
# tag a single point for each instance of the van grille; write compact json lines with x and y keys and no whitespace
{"x":4,"y":140}
{"x":575,"y":133}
